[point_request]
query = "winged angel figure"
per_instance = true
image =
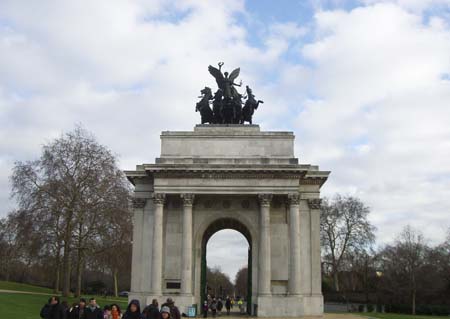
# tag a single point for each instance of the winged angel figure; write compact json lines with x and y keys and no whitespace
{"x":225,"y":82}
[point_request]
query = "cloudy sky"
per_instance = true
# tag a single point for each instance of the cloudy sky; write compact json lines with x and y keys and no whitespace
{"x":365,"y":86}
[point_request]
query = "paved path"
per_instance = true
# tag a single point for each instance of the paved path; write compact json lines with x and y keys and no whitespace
{"x":24,"y":292}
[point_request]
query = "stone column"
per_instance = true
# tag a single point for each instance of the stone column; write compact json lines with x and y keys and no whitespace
{"x":136,"y":270}
{"x":186,"y":254}
{"x":264,"y":270}
{"x":305,"y":249}
{"x":316,"y":279}
{"x":294,"y":244}
{"x":158,"y":200}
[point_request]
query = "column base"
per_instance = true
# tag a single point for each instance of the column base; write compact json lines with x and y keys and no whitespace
{"x":290,"y":306}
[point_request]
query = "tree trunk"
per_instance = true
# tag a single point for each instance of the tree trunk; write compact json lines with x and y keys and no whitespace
{"x":413,"y":294}
{"x":57,"y":272}
{"x":66,"y":263}
{"x":336,"y":280}
{"x":79,"y":272}
{"x":116,"y":287}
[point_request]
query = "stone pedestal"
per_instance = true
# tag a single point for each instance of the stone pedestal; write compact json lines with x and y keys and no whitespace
{"x":241,"y":178}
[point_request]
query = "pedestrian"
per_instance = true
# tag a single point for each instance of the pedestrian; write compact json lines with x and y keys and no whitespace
{"x":115,"y":312}
{"x":241,"y":306}
{"x":219,"y":306}
{"x":228,"y":305}
{"x":45,"y":310}
{"x":174,"y":311}
{"x":213,"y":307}
{"x":133,"y":310}
{"x":152,"y":310}
{"x":165,"y":312}
{"x":205,"y":309}
{"x":65,"y":306}
{"x":56,"y":310}
{"x":107,"y":312}
{"x":77,"y":312}
{"x":93,"y":310}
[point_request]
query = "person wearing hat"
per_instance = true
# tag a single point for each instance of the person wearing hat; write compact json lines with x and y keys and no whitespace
{"x":174,"y":311}
{"x":165,"y":312}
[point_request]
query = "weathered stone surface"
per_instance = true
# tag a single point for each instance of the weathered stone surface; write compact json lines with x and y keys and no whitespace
{"x":228,"y":176}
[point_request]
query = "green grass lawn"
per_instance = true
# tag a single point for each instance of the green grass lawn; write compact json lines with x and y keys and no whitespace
{"x":28,"y":305}
{"x":399,"y":316}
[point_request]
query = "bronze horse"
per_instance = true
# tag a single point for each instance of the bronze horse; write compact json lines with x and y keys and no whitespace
{"x":250,"y":106}
{"x":203,"y":106}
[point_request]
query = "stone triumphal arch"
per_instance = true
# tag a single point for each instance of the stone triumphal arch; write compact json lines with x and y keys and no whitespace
{"x":228,"y":176}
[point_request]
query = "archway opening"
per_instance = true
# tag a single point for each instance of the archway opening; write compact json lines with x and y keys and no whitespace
{"x":227,"y":252}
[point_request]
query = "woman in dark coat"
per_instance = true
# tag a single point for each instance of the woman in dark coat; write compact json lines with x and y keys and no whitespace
{"x":133,"y":310}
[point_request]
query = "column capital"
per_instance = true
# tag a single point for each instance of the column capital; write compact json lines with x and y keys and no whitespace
{"x":159,"y":198}
{"x":265,"y":199}
{"x":294,"y":199}
{"x":314,"y":203}
{"x":139,"y":202}
{"x":188,"y":199}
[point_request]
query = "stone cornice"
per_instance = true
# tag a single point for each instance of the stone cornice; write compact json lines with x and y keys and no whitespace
{"x":228,"y":174}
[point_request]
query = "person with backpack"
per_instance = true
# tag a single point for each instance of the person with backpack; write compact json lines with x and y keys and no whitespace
{"x":152,"y":310}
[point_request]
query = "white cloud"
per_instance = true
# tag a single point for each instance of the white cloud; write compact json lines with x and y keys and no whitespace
{"x":381,"y":123}
{"x":367,"y":97}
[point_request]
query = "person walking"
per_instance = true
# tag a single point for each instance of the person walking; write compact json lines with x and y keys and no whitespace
{"x":115,"y":312}
{"x":228,"y":305}
{"x":45,"y":310}
{"x":133,"y":310}
{"x":77,"y":312}
{"x":93,"y":310}
{"x":174,"y":311}
{"x":219,"y":306}
{"x":213,"y":307}
{"x":205,"y":309}
{"x":241,"y":306}
{"x":165,"y":312}
{"x":55,"y":310}
{"x":152,"y":310}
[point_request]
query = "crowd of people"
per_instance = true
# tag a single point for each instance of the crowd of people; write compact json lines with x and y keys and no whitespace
{"x":54,"y":309}
{"x":215,"y":306}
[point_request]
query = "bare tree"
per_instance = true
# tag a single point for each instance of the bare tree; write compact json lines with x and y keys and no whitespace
{"x":70,"y":187}
{"x":240,"y":282}
{"x":219,"y":283}
{"x":345,"y":228}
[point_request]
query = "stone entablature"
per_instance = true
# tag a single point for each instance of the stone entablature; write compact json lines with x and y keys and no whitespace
{"x":229,"y":173}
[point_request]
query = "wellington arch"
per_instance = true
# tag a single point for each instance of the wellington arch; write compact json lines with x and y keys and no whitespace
{"x":228,"y":176}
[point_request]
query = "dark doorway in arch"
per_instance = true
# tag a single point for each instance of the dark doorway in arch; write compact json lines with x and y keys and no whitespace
{"x":218,"y":225}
